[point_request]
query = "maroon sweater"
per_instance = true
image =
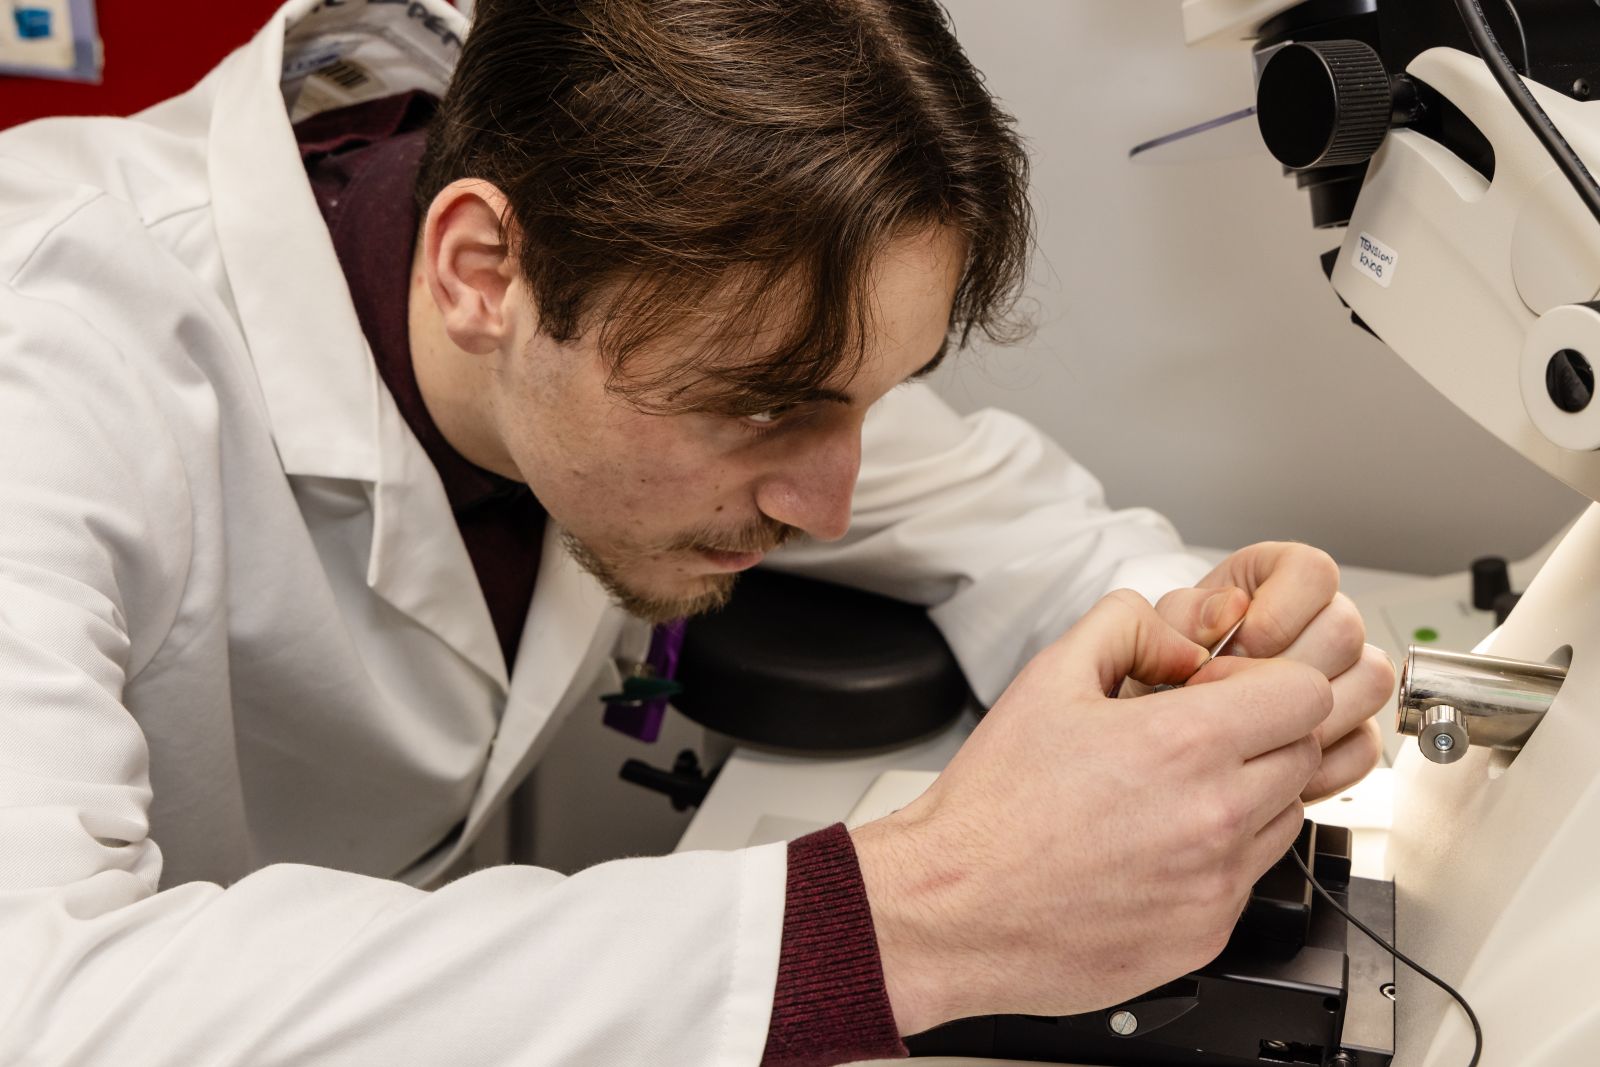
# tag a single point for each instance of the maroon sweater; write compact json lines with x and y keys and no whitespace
{"x":830,"y":1005}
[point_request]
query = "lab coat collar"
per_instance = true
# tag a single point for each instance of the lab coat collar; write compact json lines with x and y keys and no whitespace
{"x":419,"y":563}
{"x":572,"y":627}
{"x":286,"y":280}
{"x":330,"y":413}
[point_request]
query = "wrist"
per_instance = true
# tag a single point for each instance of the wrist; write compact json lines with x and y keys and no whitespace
{"x":910,"y":897}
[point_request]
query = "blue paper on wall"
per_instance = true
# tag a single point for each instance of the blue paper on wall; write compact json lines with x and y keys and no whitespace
{"x":50,"y":39}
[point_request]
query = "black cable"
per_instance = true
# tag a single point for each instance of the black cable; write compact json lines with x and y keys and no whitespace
{"x":1516,"y":91}
{"x":1472,"y":1016}
{"x":1522,"y":38}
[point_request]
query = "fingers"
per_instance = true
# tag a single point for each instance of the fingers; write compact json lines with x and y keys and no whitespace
{"x":1251,"y":707}
{"x":1358,"y":694}
{"x":1289,"y":584}
{"x":1203,"y":615}
{"x":1345,"y":763}
{"x":1122,"y":636}
{"x":1332,"y":641}
{"x":1274,"y":840}
{"x":1270,"y":781}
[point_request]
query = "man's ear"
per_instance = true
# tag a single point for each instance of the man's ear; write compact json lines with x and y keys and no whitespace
{"x":469,"y":269}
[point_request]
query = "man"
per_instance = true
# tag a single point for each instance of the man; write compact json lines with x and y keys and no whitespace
{"x":278,"y":454}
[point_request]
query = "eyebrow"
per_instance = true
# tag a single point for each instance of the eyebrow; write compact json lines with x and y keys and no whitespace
{"x":932,"y":364}
{"x":824,"y":395}
{"x":834,"y":396}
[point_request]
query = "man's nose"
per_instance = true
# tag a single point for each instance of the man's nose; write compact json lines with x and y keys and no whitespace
{"x":812,"y":488}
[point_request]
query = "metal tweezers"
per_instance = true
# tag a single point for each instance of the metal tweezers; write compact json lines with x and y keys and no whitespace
{"x":1216,"y":650}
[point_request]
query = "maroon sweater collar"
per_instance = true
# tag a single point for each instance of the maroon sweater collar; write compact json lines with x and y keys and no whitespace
{"x":362,"y":162}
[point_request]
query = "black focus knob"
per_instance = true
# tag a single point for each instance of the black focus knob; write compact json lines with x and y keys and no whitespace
{"x":1324,"y":104}
{"x":686,"y":785}
{"x":1504,"y":605}
{"x":1491,"y":579}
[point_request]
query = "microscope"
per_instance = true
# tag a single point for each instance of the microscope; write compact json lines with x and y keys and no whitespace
{"x":1471,"y":248}
{"x":1443,"y":143}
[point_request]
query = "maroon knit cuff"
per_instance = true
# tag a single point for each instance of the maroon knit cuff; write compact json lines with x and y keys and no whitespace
{"x":831,"y":1005}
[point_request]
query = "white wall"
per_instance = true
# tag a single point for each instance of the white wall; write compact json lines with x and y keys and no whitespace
{"x":1190,"y":352}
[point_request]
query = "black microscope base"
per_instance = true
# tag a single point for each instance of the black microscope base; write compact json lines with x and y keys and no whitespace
{"x":1326,"y":1003}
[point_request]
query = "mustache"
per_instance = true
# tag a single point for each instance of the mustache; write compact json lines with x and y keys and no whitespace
{"x":763,"y":535}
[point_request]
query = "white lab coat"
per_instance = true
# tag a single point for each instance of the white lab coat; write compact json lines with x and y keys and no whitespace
{"x":251,"y":703}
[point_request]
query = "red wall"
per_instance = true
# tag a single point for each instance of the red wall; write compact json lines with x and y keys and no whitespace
{"x":153,"y":49}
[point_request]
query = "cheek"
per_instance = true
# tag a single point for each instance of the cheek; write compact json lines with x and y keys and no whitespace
{"x":638,"y":479}
{"x":675,"y":474}
{"x":609,"y":473}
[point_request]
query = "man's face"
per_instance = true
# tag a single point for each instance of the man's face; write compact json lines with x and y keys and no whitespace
{"x":667,"y":509}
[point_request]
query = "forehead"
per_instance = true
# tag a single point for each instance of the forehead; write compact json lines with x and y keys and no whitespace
{"x":913,"y":287}
{"x":753,"y":343}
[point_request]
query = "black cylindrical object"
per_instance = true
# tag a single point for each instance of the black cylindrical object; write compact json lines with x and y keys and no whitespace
{"x":1323,"y":104}
{"x":1491,"y":576}
{"x":799,"y":663}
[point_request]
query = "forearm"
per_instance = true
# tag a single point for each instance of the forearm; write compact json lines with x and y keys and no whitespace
{"x":642,"y":961}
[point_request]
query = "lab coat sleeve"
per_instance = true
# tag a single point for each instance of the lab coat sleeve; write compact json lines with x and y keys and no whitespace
{"x":988,"y":522}
{"x":662,"y":961}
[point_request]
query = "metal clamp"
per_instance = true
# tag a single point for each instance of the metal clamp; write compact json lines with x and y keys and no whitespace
{"x":1449,"y":700}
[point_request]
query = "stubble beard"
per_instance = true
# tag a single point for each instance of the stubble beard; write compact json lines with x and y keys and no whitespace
{"x":717,"y":589}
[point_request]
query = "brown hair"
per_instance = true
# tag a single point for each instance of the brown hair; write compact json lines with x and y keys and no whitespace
{"x":713,"y":166}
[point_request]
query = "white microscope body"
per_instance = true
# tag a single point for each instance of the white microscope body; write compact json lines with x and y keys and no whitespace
{"x":1479,"y":284}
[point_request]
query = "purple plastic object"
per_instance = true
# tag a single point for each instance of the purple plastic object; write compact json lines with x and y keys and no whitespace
{"x":642,"y":719}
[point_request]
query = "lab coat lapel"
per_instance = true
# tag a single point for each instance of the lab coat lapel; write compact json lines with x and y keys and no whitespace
{"x":566,"y":648}
{"x":288,"y":290}
{"x":331,"y":415}
{"x":419,"y":563}
{"x":570,"y":631}
{"x":317,"y":379}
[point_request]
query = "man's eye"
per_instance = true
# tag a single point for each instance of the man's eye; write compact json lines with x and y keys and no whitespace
{"x":771,"y":419}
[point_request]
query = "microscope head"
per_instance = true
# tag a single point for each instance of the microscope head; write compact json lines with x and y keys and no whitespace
{"x":1470,"y":246}
{"x":1465,"y":249}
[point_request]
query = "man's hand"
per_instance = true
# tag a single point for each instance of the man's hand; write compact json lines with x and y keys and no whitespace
{"x":1295,"y":611}
{"x":1080,"y":850}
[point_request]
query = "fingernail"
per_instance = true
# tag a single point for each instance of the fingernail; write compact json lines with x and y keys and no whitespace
{"x":1216,"y":604}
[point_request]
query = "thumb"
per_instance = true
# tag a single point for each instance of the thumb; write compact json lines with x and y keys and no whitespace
{"x":1121,"y":637}
{"x":1204,"y":615}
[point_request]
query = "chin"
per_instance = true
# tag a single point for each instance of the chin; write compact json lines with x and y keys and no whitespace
{"x":654,"y":601}
{"x":707,"y":594}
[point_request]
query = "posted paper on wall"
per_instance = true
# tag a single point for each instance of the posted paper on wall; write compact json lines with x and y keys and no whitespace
{"x":50,"y":39}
